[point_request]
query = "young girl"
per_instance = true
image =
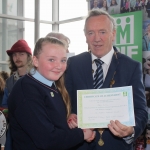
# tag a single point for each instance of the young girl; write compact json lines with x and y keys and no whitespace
{"x":113,"y":3}
{"x":105,"y":8}
{"x":39,"y":103}
{"x":2,"y":86}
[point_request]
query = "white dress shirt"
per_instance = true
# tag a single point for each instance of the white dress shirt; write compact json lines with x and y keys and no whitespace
{"x":106,"y":59}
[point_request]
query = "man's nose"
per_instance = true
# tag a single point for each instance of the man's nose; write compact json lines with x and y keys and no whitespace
{"x":19,"y":57}
{"x":97,"y":37}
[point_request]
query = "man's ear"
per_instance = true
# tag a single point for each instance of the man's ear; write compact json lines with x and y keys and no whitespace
{"x":114,"y":35}
{"x":35,"y":61}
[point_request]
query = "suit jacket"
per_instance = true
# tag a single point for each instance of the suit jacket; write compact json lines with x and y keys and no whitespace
{"x":125,"y":72}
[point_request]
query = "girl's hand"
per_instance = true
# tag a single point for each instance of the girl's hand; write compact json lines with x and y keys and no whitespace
{"x":89,"y":135}
{"x":72,"y":121}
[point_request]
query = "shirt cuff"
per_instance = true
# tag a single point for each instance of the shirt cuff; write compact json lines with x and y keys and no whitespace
{"x":130,"y":139}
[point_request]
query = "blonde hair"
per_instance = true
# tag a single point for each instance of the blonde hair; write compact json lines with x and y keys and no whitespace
{"x":61,"y":87}
{"x":60,"y":82}
{"x":2,"y":84}
{"x":59,"y":36}
{"x":4,"y":75}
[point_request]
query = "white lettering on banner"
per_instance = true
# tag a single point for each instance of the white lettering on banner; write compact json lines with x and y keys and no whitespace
{"x":128,"y":50}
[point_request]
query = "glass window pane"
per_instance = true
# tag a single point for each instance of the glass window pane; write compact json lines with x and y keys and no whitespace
{"x":74,"y":31}
{"x":12,"y":7}
{"x":72,"y":9}
{"x":29,"y":8}
{"x":0,"y":6}
{"x":8,"y":7}
{"x":4,"y":67}
{"x":46,"y":10}
{"x":9,"y":34}
{"x":45,"y":29}
{"x":29,"y":34}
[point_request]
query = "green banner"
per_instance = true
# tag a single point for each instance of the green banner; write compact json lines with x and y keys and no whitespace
{"x":129,"y":34}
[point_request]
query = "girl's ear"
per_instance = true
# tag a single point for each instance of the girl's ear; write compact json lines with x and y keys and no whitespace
{"x":35,"y":61}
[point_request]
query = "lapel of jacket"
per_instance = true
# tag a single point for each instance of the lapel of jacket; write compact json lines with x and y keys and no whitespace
{"x":112,"y":69}
{"x":87,"y":70}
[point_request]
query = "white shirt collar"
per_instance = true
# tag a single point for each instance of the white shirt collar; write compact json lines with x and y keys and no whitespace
{"x":106,"y":59}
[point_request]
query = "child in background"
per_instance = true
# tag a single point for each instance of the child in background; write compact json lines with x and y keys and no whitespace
{"x":113,"y":3}
{"x":61,"y":37}
{"x":39,"y":103}
{"x":105,"y":8}
{"x":4,"y":75}
{"x":2,"y":135}
{"x":2,"y":86}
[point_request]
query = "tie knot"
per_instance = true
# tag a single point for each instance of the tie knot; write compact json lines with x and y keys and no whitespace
{"x":98,"y":62}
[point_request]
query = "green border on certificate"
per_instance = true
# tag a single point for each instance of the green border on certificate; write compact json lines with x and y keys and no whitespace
{"x":95,"y":108}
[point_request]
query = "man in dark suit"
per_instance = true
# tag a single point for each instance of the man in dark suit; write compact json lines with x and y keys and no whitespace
{"x":118,"y":70}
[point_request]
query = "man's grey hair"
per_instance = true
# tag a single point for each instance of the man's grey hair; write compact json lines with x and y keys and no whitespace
{"x":99,"y":12}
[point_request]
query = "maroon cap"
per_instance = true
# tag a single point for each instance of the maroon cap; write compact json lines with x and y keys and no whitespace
{"x":20,"y":46}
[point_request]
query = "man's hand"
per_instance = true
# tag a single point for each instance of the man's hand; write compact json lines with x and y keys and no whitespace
{"x":119,"y":129}
{"x":72,"y":121}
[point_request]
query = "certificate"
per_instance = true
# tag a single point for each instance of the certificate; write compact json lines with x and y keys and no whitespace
{"x":95,"y":108}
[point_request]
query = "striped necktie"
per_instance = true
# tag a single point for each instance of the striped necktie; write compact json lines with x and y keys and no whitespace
{"x":98,"y":77}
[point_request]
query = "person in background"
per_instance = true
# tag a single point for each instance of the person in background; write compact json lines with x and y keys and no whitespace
{"x":123,"y":5}
{"x":113,"y":3}
{"x":61,"y":37}
{"x":132,"y":5}
{"x":118,"y":70}
{"x":38,"y":112}
{"x":143,"y":4}
{"x":2,"y":86}
{"x":146,"y":39}
{"x":95,"y":5}
{"x":147,"y":78}
{"x":4,"y":75}
{"x":140,"y":4}
{"x":137,"y":5}
{"x":127,"y":5}
{"x":20,"y":59}
{"x":3,"y":137}
{"x":105,"y":8}
{"x":146,"y":64}
{"x":100,"y":3}
{"x":148,"y":8}
{"x":147,"y":93}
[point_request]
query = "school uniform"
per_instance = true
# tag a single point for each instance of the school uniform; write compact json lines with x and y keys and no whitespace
{"x":38,"y":117}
